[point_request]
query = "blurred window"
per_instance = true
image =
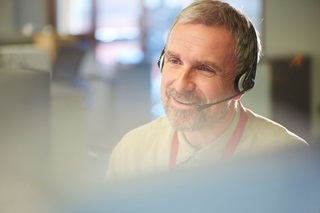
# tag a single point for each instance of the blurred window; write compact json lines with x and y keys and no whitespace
{"x":118,"y":20}
{"x":74,"y":17}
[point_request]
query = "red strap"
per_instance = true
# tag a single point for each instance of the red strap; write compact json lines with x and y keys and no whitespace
{"x":174,"y":150}
{"x":236,"y":136}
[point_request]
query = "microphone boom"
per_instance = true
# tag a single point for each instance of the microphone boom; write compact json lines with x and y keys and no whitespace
{"x":204,"y":106}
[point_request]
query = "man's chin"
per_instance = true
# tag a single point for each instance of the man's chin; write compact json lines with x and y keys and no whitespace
{"x":183,"y":120}
{"x":192,"y":120}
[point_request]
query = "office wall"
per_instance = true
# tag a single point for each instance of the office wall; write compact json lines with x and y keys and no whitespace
{"x":14,"y":14}
{"x":31,"y":11}
{"x":292,"y":27}
{"x":6,"y":17}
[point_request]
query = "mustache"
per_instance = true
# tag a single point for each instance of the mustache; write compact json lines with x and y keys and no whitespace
{"x":185,"y":96}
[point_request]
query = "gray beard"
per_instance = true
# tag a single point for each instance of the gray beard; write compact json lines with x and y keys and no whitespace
{"x":193,"y":120}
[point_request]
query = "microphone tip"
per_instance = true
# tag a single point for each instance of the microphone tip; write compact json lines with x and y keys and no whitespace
{"x":198,"y":108}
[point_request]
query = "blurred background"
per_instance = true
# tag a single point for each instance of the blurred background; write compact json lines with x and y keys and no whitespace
{"x":75,"y":75}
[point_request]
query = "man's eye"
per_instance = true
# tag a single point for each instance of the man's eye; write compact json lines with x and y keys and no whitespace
{"x":173,"y":61}
{"x":206,"y":71}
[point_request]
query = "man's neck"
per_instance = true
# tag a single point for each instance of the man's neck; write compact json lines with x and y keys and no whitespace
{"x":200,"y":139}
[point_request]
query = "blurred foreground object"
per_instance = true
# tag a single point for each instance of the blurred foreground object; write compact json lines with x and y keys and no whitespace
{"x":24,"y":139}
{"x":286,"y":182}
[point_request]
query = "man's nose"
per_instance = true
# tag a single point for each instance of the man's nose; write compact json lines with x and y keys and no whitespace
{"x":185,"y":80}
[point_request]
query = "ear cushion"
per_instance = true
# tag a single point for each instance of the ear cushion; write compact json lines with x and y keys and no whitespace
{"x":244,"y":82}
{"x":161,"y":60}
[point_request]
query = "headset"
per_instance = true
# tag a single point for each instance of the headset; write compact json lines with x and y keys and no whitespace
{"x":243,"y":82}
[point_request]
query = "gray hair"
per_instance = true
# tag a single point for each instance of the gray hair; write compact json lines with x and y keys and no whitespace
{"x":218,"y":13}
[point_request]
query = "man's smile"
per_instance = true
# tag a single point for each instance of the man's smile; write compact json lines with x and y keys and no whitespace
{"x":184,"y":102}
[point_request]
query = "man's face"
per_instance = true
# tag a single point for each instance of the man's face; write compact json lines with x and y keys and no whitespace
{"x":199,"y":68}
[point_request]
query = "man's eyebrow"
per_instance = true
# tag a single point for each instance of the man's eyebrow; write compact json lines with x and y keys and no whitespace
{"x":204,"y":62}
{"x":170,"y":53}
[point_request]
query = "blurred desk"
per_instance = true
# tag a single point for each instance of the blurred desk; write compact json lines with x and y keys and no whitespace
{"x":25,"y":56}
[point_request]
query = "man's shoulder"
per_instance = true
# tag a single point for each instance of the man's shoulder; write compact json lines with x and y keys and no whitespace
{"x":141,"y":150}
{"x":263,"y":127}
{"x":263,"y":135}
{"x":149,"y":133}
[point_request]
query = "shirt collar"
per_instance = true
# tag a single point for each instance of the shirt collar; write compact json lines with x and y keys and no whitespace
{"x":186,"y":150}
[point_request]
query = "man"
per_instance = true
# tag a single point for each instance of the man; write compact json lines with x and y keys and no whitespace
{"x":208,"y":63}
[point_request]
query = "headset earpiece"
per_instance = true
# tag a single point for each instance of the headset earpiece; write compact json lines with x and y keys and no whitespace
{"x":246,"y":81}
{"x":161,"y":60}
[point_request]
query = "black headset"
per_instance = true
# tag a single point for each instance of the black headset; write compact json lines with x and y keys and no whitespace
{"x":243,"y":82}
